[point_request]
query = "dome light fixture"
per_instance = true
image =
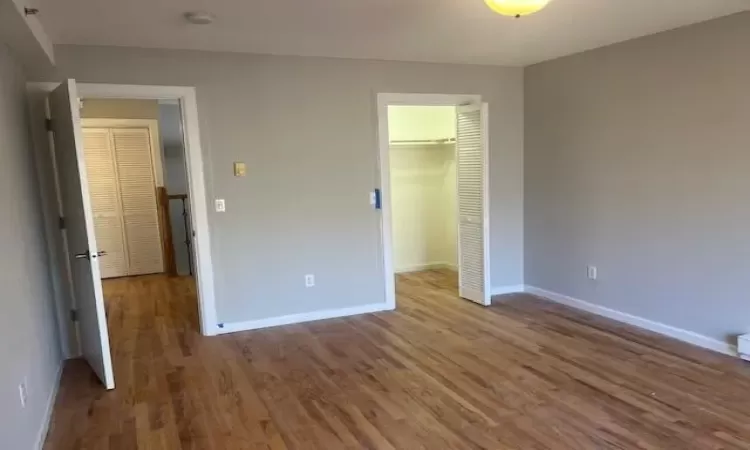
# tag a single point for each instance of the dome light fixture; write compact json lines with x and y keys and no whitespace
{"x":516,"y":8}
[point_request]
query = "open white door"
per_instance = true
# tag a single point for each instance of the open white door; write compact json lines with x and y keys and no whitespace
{"x":473,"y":223}
{"x":79,"y":225}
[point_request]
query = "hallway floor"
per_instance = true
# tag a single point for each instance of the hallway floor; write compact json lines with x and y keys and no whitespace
{"x":438,"y":373}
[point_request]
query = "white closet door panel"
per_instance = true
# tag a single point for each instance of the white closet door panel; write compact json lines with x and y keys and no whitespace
{"x":138,"y":198}
{"x":471,"y":168}
{"x":102,"y":180}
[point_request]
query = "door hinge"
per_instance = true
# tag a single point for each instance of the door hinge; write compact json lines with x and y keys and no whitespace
{"x":74,"y":315}
{"x":61,"y":222}
{"x":48,"y":124}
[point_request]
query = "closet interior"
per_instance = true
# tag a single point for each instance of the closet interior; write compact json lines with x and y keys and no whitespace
{"x":137,"y":184}
{"x":422,"y":158}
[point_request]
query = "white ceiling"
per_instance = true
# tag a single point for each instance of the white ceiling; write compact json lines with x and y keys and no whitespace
{"x":454,"y":31}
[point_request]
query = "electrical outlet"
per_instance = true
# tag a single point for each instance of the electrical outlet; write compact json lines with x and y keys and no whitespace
{"x":591,"y":272}
{"x":220,"y":205}
{"x":23,"y":393}
{"x":309,"y":280}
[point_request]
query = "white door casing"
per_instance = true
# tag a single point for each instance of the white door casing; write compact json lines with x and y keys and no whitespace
{"x":473,"y":223}
{"x":387,"y":99}
{"x":83,"y":256}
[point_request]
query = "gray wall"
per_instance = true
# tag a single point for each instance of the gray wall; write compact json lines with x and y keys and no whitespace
{"x":28,"y":330}
{"x":637,"y":160}
{"x":306,"y":127}
{"x":175,"y":179}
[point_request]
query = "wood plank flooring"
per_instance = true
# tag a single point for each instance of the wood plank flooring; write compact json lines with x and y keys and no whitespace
{"x":438,"y":373}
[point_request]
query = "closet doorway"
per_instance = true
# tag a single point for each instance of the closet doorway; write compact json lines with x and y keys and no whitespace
{"x":434,"y":199}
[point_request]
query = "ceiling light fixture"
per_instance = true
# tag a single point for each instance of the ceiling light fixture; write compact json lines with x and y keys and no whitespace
{"x":516,"y":8}
{"x":199,"y":17}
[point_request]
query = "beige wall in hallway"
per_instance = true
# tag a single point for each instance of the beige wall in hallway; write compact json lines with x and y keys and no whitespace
{"x":98,"y":108}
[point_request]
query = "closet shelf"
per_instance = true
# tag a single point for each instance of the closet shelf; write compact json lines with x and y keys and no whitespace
{"x":424,"y":141}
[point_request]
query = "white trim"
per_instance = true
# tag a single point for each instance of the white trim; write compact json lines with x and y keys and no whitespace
{"x":640,"y":322}
{"x":49,"y":409}
{"x":503,"y":290}
{"x":153,"y":130}
{"x":196,"y":178}
{"x":426,"y":266}
{"x":303,"y":317}
{"x":386,"y":230}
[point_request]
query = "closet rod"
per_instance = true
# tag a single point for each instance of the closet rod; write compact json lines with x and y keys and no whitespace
{"x":425,"y":141}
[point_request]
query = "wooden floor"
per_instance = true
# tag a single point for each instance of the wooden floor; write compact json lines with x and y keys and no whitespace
{"x":439,"y":373}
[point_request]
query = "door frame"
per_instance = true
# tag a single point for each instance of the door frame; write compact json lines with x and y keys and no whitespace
{"x":386,"y":223}
{"x":186,"y":97}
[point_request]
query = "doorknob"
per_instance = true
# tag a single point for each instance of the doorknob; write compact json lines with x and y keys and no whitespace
{"x":84,"y":255}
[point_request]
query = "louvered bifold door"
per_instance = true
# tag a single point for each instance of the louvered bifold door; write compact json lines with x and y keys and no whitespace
{"x":138,"y":198}
{"x":471,"y":156}
{"x":105,"y":202}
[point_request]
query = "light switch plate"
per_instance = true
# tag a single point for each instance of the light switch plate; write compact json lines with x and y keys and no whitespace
{"x":220,"y":205}
{"x":239,"y":169}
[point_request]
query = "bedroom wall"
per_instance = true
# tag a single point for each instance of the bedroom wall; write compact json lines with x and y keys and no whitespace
{"x":307,"y":130}
{"x":31,"y":351}
{"x":637,"y":162}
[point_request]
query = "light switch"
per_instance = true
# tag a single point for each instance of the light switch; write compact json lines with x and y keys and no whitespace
{"x":220,"y":205}
{"x":239,"y":169}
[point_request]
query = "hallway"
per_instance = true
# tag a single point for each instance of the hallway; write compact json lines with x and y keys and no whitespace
{"x":438,"y":373}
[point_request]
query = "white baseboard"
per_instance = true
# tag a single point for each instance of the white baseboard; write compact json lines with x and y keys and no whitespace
{"x":426,"y":266}
{"x":513,"y":289}
{"x":49,"y":409}
{"x":657,"y":327}
{"x":303,"y":317}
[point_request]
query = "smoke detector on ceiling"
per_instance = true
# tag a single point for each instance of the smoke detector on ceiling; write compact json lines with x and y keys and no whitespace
{"x":199,"y":17}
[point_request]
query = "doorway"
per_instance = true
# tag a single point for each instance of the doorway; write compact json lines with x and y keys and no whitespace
{"x":434,"y":197}
{"x":137,"y":178}
{"x":131,"y":151}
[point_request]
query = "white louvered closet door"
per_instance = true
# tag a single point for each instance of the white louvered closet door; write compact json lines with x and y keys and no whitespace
{"x":132,"y":148}
{"x":473,"y":236}
{"x":105,"y":201}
